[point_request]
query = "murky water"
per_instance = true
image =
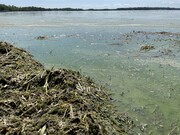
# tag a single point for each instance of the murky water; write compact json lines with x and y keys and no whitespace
{"x":107,"y":47}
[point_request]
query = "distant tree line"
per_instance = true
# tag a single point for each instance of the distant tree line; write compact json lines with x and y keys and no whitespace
{"x":5,"y":8}
{"x":14,"y":8}
{"x":148,"y":8}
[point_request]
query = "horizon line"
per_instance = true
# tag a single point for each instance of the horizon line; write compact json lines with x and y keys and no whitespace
{"x":97,"y":9}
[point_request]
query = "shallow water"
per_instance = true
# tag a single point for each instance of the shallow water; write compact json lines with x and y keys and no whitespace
{"x":106,"y":46}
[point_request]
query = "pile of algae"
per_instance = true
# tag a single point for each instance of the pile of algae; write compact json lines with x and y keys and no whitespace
{"x":37,"y":101}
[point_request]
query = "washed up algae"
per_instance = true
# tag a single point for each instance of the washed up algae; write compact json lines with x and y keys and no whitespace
{"x":34,"y":100}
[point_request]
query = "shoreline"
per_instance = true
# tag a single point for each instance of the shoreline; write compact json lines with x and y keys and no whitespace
{"x":12,"y":8}
{"x":36,"y":100}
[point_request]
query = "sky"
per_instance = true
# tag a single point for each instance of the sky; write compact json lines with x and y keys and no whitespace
{"x":93,"y":3}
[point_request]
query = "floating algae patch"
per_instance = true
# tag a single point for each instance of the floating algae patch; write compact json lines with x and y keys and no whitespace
{"x":34,"y":100}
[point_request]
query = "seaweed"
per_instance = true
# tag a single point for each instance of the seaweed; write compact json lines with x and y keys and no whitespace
{"x":34,"y":100}
{"x":42,"y":38}
{"x":146,"y":47}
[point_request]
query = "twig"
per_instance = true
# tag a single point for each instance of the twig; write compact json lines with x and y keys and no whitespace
{"x":43,"y":73}
{"x":71,"y":111}
{"x":65,"y":113}
{"x":46,"y":85}
{"x":173,"y":130}
{"x":42,"y":130}
{"x":30,"y":79}
{"x":30,"y":109}
{"x":79,"y":87}
{"x":155,"y":109}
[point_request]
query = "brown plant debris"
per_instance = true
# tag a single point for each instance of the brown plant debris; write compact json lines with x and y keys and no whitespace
{"x":37,"y":101}
{"x":147,"y":47}
{"x":42,"y":37}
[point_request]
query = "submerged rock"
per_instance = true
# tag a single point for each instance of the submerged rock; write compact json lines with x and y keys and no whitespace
{"x":34,"y":100}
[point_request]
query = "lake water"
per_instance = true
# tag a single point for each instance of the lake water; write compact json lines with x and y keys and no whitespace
{"x":107,"y":47}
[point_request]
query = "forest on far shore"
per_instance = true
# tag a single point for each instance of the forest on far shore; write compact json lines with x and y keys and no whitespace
{"x":7,"y":8}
